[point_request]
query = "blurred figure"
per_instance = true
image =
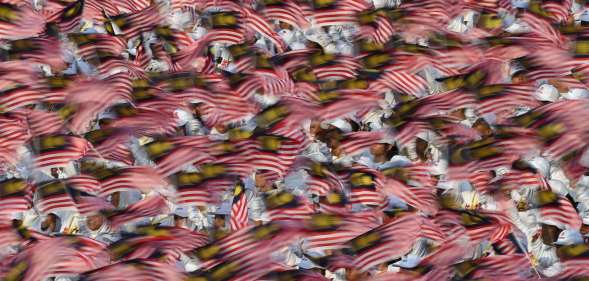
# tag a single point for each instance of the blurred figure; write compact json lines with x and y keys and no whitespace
{"x":180,"y":217}
{"x":97,"y":228}
{"x":51,"y":224}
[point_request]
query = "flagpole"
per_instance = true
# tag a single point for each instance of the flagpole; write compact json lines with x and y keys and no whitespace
{"x":527,"y":256}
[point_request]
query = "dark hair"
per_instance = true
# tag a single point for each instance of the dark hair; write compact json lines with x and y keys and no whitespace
{"x":177,"y":217}
{"x":355,"y":126}
{"x":392,"y":150}
{"x":421,"y":143}
{"x":324,"y":135}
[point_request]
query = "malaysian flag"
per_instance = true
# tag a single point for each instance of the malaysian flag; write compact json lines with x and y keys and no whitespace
{"x":59,"y":150}
{"x":68,"y":18}
{"x":87,"y":203}
{"x":239,"y":208}
{"x":384,"y":243}
{"x":147,"y":207}
{"x":285,"y":206}
{"x":54,"y":196}
{"x":132,"y":25}
{"x":15,"y":196}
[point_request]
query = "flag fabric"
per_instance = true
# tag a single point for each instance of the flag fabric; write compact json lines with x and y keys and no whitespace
{"x":239,"y":209}
{"x":397,"y":140}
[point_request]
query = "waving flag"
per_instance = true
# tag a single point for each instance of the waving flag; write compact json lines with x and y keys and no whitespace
{"x":239,"y":208}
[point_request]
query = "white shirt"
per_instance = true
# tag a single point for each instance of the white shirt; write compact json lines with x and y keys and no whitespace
{"x":575,"y":93}
{"x":547,"y":92}
{"x":287,"y":35}
{"x":518,"y":26}
{"x":385,"y":3}
{"x":462,"y":23}
{"x":317,"y":151}
{"x":344,"y":48}
{"x":182,"y":117}
{"x":266,"y":100}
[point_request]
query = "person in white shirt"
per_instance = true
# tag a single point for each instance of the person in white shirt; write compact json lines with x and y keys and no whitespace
{"x":96,"y":227}
{"x":575,"y":94}
{"x":386,"y":3}
{"x":547,"y":93}
{"x":316,"y":150}
{"x":521,"y":4}
{"x":514,"y":25}
{"x":463,"y":22}
{"x":382,"y":155}
{"x":50,"y":224}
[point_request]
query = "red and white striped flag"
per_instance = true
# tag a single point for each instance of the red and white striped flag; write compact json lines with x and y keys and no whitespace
{"x":239,"y":209}
{"x":148,"y":207}
{"x":59,"y":150}
{"x":54,"y":196}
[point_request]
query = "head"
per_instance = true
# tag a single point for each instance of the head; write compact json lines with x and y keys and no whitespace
{"x":519,"y":77}
{"x":115,"y":199}
{"x":54,"y":172}
{"x":459,"y":113}
{"x":180,"y":221}
{"x":181,"y":216}
{"x":384,"y":151}
{"x":421,"y":147}
{"x":16,"y":222}
{"x":284,"y":25}
{"x":584,"y":229}
{"x":482,"y":127}
{"x":50,"y":224}
{"x":378,"y":149}
{"x":332,"y":138}
{"x":261,"y":181}
{"x":315,"y":128}
{"x":221,"y":128}
{"x":219,"y":221}
{"x":94,"y":222}
{"x":105,"y":122}
{"x":353,"y":274}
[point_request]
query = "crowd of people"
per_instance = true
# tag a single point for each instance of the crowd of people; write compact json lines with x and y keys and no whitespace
{"x":294,"y":140}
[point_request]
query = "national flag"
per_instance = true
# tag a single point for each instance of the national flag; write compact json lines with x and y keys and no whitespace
{"x":285,"y":206}
{"x":134,"y":24}
{"x":561,"y":213}
{"x":59,"y":150}
{"x":68,"y":18}
{"x":332,"y":231}
{"x":239,"y":208}
{"x":15,"y":196}
{"x":384,"y":243}
{"x":54,"y":196}
{"x":147,"y":207}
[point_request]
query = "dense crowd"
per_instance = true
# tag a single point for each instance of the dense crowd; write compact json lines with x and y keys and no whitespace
{"x":294,"y":140}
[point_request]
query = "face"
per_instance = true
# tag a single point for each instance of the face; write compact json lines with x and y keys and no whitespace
{"x":483,"y":129}
{"x":421,"y":149}
{"x":221,"y":128}
{"x":584,"y":229}
{"x":518,"y":79}
{"x":378,"y":149}
{"x":355,"y":275}
{"x":458,"y":114}
{"x":219,"y":221}
{"x":94,"y":222}
{"x":260,"y":181}
{"x":54,"y":172}
{"x":315,"y":128}
{"x":336,"y":150}
{"x":49,"y":224}
{"x":179,"y":221}
{"x":16,"y":222}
